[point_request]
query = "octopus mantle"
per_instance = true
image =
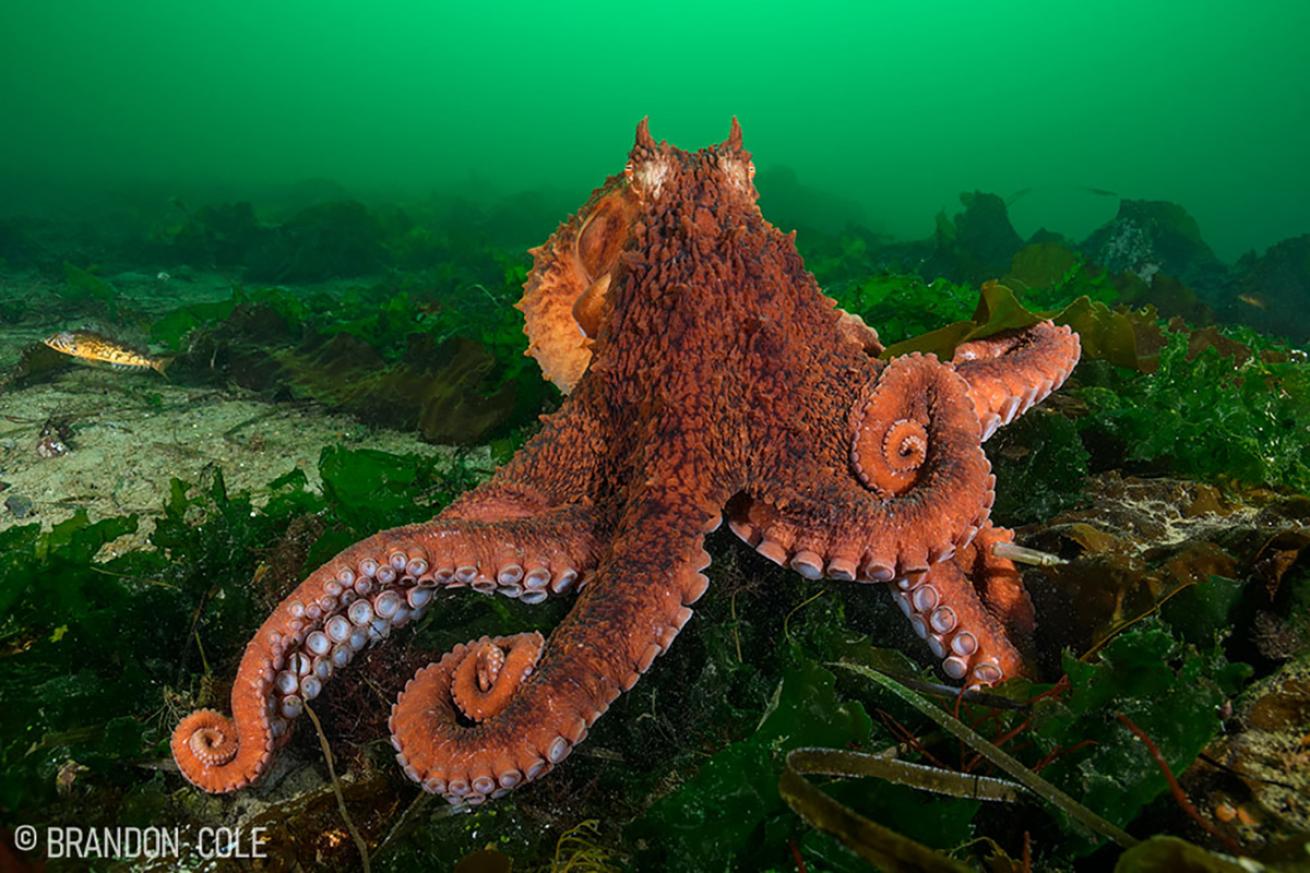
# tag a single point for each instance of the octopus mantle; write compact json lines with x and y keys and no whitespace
{"x":707,"y":376}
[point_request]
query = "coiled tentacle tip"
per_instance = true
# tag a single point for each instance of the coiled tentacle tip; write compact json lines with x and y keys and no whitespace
{"x":204,"y":745}
{"x":491,"y":671}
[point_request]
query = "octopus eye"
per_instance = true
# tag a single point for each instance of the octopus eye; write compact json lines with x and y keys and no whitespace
{"x":736,"y":172}
{"x":647,"y":177}
{"x":593,"y":243}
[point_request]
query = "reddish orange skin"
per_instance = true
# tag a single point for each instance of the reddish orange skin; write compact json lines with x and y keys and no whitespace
{"x":713,"y":375}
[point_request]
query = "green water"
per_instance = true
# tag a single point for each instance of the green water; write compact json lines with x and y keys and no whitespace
{"x":317,"y":215}
{"x":893,"y":108}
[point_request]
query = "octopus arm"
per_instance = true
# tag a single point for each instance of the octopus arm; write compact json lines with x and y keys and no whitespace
{"x":524,"y":721}
{"x":915,"y":485}
{"x":998,"y":581}
{"x":852,"y":328}
{"x":1013,"y":371}
{"x":968,"y":610}
{"x":966,"y":603}
{"x":355,"y":601}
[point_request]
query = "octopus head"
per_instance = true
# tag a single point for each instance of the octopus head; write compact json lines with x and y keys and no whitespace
{"x":663,"y":177}
{"x":700,"y":197}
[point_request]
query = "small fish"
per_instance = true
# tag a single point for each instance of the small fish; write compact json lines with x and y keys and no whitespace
{"x":93,"y":348}
{"x":1253,"y":300}
{"x":1086,"y":189}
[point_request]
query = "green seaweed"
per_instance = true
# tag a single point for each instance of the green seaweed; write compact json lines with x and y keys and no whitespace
{"x":724,"y":811}
{"x":80,"y":651}
{"x":904,"y":306}
{"x":1169,"y":689}
{"x":386,"y":352}
{"x":1203,"y":613}
{"x":1105,"y":334}
{"x":172,"y":329}
{"x":1206,"y":415}
{"x":1040,"y":464}
{"x":368,"y":490}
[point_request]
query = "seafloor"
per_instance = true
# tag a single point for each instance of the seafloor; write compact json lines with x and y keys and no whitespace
{"x":339,"y":368}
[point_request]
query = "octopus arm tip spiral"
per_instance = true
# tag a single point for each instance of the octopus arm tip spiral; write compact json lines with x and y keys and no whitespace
{"x":211,"y":755}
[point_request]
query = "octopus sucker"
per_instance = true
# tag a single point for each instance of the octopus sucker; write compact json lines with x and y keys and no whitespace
{"x":963,"y":626}
{"x":707,"y":377}
{"x":356,"y":601}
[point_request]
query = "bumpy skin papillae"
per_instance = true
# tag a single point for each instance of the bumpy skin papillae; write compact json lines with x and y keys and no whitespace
{"x":706,"y":370}
{"x":1012,"y":371}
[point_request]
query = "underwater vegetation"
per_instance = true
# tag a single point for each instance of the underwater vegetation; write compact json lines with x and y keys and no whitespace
{"x":796,"y":724}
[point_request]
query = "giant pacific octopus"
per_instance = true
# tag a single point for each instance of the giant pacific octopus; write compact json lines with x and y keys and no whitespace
{"x":707,"y":376}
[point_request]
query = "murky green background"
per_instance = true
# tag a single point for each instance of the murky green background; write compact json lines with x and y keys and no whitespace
{"x":892,"y":107}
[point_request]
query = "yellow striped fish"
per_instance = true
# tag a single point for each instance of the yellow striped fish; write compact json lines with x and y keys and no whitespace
{"x":94,"y":348}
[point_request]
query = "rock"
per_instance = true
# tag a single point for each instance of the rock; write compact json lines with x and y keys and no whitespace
{"x":19,"y":505}
{"x":1269,"y":750}
{"x":1271,"y":289}
{"x":51,"y":447}
{"x":1148,"y":237}
{"x":976,"y":244}
{"x":1135,"y":544}
{"x":1055,"y":265}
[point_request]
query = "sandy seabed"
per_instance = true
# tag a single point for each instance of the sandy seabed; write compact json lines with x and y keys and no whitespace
{"x":134,"y":431}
